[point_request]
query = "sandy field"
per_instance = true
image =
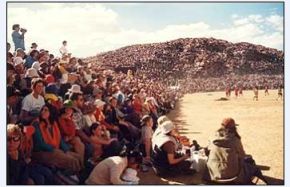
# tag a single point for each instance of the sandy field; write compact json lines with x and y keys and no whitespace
{"x":261,"y":126}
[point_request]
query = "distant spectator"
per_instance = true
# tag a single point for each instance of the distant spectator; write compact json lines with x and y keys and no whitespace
{"x":8,"y":47}
{"x":18,"y":39}
{"x":63,"y":50}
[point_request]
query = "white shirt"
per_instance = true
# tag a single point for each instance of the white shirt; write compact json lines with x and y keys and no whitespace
{"x":31,"y":103}
{"x":63,"y":50}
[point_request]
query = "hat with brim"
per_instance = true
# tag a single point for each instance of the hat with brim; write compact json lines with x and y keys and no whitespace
{"x":98,"y":103}
{"x":229,"y":123}
{"x":130,"y":175}
{"x":162,"y":119}
{"x":75,"y":89}
{"x":31,"y":73}
{"x":167,"y":127}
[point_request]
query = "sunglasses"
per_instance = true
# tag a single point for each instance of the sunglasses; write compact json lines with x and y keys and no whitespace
{"x":14,"y":138}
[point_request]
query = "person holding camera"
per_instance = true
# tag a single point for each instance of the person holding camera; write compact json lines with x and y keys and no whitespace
{"x":18,"y":39}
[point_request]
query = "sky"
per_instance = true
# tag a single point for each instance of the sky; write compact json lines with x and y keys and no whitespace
{"x":92,"y":28}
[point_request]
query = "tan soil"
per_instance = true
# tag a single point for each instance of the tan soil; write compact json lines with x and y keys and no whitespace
{"x":261,"y":128}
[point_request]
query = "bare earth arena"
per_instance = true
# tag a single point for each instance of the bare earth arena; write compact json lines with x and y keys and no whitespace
{"x":260,"y":122}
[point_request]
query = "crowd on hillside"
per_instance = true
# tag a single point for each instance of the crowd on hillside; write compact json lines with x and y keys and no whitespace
{"x":76,"y":122}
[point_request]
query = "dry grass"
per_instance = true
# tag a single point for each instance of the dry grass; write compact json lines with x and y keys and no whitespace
{"x":261,"y":127}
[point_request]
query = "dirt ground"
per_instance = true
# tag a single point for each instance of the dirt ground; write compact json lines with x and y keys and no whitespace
{"x":261,"y":126}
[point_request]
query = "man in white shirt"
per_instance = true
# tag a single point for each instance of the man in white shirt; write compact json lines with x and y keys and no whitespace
{"x":63,"y":50}
{"x":33,"y":101}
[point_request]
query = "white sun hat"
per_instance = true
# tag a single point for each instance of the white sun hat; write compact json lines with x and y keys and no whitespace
{"x":166,"y":127}
{"x":75,"y":88}
{"x":130,"y":175}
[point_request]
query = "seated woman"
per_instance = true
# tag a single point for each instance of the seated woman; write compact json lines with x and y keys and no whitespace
{"x":50,"y":148}
{"x":39,"y":173}
{"x":104,"y":145}
{"x":165,"y":158}
{"x":226,"y":161}
{"x":18,"y":173}
{"x":68,"y":129}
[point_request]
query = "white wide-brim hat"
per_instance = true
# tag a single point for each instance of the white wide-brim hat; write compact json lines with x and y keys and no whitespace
{"x":75,"y":89}
{"x":166,"y":127}
{"x":99,"y":103}
{"x":130,"y":175}
{"x":31,"y":72}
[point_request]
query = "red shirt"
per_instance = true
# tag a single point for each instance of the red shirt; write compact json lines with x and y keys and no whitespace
{"x":67,"y":127}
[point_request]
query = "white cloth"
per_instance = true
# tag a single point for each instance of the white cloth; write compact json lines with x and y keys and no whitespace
{"x":90,"y":119}
{"x":161,"y":139}
{"x":31,"y":103}
{"x":63,"y":50}
{"x":130,"y":175}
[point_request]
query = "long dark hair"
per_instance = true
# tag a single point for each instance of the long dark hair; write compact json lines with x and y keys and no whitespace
{"x":51,"y":118}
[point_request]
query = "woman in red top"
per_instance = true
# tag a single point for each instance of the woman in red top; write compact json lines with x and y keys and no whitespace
{"x":68,"y":130}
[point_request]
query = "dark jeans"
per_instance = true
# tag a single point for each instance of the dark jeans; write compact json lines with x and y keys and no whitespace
{"x":40,"y":174}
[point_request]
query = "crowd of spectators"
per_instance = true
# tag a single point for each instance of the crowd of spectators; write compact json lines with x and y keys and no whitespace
{"x":65,"y":114}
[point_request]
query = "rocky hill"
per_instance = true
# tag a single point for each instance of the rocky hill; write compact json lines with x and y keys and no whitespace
{"x":198,"y":57}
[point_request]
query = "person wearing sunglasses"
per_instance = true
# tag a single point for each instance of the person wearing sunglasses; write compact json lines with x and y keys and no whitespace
{"x":18,"y":173}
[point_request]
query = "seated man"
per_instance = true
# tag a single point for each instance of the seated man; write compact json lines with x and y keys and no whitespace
{"x":226,"y":162}
{"x":165,"y":158}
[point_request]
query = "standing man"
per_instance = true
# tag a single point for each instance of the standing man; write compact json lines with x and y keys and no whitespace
{"x":256,"y":93}
{"x":63,"y":50}
{"x":18,"y":39}
{"x":266,"y":90}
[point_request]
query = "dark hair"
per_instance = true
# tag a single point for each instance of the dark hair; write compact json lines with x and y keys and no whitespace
{"x":64,"y":42}
{"x":33,"y":52}
{"x":50,"y":118}
{"x":145,"y":119}
{"x":35,"y":81}
{"x":135,"y":156}
{"x":74,"y":96}
{"x":15,"y":26}
{"x":93,"y":127}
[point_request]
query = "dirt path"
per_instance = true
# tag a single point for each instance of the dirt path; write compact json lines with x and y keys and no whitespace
{"x":261,"y":127}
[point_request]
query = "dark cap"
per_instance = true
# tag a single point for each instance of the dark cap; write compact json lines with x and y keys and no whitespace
{"x":11,"y":91}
